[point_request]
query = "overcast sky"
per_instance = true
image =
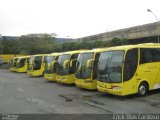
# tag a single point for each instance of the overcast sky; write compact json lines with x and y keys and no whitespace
{"x":74,"y":18}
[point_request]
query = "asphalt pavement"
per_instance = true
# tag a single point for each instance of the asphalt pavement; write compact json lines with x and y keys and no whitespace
{"x":21,"y":94}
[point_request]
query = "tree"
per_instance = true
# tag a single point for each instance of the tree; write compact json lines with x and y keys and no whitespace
{"x":11,"y":46}
{"x":37,"y":43}
{"x":45,"y":43}
{"x":117,"y":41}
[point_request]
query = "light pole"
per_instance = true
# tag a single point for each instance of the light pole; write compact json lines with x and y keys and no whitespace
{"x":148,"y":10}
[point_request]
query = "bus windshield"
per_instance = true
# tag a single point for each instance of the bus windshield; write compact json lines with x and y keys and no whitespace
{"x":49,"y":59}
{"x":21,"y":62}
{"x":48,"y":64}
{"x":82,"y":71}
{"x":63,"y":58}
{"x":110,"y":66}
{"x":60,"y":70}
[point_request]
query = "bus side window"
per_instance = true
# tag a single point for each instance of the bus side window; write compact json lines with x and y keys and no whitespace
{"x":149,"y":55}
{"x":95,"y":69}
{"x":38,"y":61}
{"x":156,"y":55}
{"x":130,"y":64}
{"x":146,"y":55}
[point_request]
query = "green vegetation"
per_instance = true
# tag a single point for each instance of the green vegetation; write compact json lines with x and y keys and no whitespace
{"x":46,"y":43}
{"x":94,"y":44}
{"x":30,"y":44}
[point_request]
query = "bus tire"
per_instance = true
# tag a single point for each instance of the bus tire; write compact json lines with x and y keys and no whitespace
{"x":143,"y":89}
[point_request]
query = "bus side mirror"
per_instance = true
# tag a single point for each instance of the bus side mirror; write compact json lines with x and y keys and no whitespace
{"x":73,"y":62}
{"x":66,"y":64}
{"x":53,"y":63}
{"x":90,"y":63}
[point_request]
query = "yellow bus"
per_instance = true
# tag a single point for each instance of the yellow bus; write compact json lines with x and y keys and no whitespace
{"x":22,"y":64}
{"x":129,"y":69}
{"x":66,"y":66}
{"x":13,"y":63}
{"x":86,"y":75}
{"x":36,"y":65}
{"x":50,"y":66}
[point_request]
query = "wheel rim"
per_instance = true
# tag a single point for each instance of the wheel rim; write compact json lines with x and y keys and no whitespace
{"x":142,"y":90}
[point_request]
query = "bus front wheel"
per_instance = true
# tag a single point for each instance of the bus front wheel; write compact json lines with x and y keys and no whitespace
{"x":143,"y":89}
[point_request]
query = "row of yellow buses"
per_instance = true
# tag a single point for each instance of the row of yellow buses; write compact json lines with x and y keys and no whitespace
{"x":19,"y":64}
{"x":120,"y":70}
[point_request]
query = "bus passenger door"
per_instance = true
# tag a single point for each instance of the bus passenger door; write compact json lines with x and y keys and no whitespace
{"x":94,"y":72}
{"x":130,"y":71}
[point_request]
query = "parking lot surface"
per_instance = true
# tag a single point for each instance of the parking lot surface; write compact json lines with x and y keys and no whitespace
{"x":20,"y":93}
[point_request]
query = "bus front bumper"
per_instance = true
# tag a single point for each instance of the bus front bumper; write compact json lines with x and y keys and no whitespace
{"x":34,"y":73}
{"x":86,"y":84}
{"x":65,"y":79}
{"x":21,"y":70}
{"x":50,"y":77}
{"x":106,"y":88}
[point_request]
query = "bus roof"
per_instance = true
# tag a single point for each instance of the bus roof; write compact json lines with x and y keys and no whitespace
{"x":73,"y":52}
{"x":126,"y":47}
{"x":94,"y":50}
{"x":24,"y":56}
{"x":55,"y":54}
{"x":40,"y":55}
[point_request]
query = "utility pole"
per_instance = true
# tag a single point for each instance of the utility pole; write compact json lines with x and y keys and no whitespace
{"x":149,"y":10}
